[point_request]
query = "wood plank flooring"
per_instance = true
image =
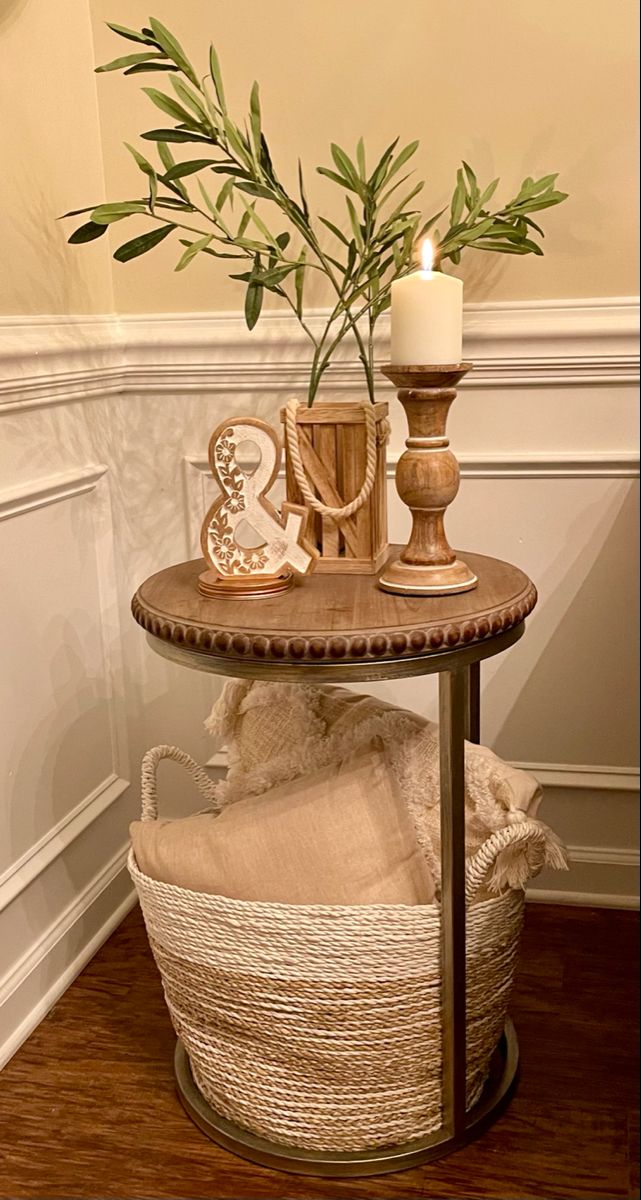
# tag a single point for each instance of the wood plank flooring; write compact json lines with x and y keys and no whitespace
{"x":88,"y":1109}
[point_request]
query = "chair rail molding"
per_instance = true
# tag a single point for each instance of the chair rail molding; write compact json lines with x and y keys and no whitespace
{"x":51,"y":360}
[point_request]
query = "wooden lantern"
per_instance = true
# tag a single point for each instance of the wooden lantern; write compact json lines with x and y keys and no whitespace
{"x":332,"y":449}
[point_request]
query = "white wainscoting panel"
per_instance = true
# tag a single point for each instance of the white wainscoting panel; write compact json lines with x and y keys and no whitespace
{"x":104,"y":425}
{"x":62,"y":743}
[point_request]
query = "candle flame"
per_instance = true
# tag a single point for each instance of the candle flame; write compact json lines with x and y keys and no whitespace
{"x":427,"y":255}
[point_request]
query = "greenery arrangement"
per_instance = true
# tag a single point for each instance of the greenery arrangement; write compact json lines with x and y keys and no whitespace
{"x":236,"y":220}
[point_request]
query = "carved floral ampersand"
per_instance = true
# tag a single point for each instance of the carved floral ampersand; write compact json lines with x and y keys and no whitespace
{"x":243,"y":502}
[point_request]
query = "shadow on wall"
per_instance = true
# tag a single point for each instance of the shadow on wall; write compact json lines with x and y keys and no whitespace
{"x":65,"y":287}
{"x":174,"y":703}
{"x":60,"y":766}
{"x":69,"y":753}
{"x":9,"y":12}
{"x":575,"y":682}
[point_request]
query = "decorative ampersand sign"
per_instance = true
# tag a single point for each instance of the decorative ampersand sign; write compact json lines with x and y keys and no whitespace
{"x":276,"y":543}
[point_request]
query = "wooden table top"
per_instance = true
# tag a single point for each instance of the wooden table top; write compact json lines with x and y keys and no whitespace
{"x":339,"y":626}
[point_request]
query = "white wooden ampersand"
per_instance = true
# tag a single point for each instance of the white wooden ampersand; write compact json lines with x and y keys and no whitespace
{"x":243,"y":502}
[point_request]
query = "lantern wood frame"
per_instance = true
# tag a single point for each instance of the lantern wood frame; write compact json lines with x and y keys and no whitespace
{"x":332,"y":444}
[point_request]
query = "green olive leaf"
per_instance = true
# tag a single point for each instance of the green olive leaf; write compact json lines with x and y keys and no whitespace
{"x":86,"y":233}
{"x":335,"y":230}
{"x":178,"y":170}
{"x":146,"y":68}
{"x":173,"y":135}
{"x":141,"y":244}
{"x":214,"y":67}
{"x":253,"y":304}
{"x":169,"y":106}
{"x":191,"y":99}
{"x":129,"y":60}
{"x":458,"y":199}
{"x":130,"y":34}
{"x":402,"y":157}
{"x":173,"y":49}
{"x":345,"y":165}
{"x":193,"y":248}
{"x":106,"y":214}
{"x":255,"y":117}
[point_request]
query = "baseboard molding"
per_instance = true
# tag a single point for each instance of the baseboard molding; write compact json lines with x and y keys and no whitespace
{"x":591,"y":778}
{"x":581,"y":899}
{"x":54,"y":360}
{"x":48,"y":967}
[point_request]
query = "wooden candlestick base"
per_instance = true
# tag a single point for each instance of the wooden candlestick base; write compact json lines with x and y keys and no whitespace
{"x":427,"y":480}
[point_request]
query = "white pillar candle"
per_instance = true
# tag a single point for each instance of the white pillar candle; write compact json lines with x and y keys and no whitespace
{"x":427,"y":317}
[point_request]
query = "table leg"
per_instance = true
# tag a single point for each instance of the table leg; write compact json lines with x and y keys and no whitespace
{"x":453,"y":714}
{"x":473,"y":724}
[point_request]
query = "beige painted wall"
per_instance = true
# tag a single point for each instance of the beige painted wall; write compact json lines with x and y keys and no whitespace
{"x":514,"y":87}
{"x":51,"y":159}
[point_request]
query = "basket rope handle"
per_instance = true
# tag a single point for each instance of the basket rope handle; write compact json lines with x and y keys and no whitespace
{"x":148,"y":785}
{"x":293,"y":448}
{"x":478,"y":865}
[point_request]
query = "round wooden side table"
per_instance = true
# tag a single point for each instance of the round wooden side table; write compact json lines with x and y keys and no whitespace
{"x":343,"y":629}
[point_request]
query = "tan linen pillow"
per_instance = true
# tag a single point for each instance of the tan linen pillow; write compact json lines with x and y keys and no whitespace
{"x":339,"y":836}
{"x":280,"y":731}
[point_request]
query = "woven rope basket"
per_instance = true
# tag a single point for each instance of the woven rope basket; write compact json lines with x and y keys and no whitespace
{"x":319,"y":1026}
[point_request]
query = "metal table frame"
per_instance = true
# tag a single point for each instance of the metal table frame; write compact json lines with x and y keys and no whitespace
{"x":459,"y":719}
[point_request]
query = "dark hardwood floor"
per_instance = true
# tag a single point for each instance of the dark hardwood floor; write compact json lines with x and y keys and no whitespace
{"x":88,"y":1109}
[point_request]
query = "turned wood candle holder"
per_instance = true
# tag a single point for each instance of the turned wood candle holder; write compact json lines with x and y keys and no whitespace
{"x":427,"y":480}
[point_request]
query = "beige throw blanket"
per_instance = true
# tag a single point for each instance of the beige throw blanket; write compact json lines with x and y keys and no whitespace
{"x":278,"y":731}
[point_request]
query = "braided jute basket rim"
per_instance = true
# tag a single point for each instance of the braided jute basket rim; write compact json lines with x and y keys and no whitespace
{"x":412,"y":913}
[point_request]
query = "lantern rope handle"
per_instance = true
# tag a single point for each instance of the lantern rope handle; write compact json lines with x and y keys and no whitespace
{"x":372,"y":443}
